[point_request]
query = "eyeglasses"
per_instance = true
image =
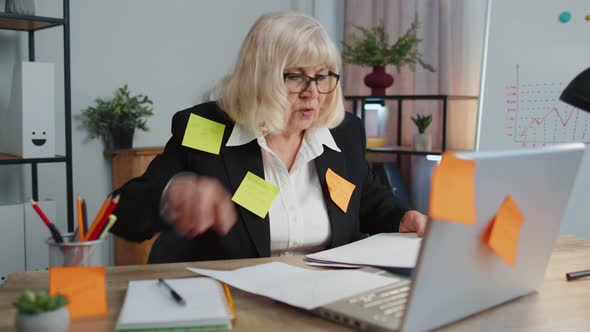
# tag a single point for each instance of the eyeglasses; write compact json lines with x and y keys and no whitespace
{"x":296,"y":82}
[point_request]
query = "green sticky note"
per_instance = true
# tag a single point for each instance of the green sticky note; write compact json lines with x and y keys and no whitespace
{"x":255,"y":194}
{"x":203,"y":134}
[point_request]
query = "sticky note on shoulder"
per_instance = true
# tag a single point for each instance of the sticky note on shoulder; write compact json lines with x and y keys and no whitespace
{"x":505,"y":230}
{"x":255,"y":194}
{"x":452,"y":190}
{"x":340,"y":189}
{"x":203,"y":134}
{"x":84,"y":287}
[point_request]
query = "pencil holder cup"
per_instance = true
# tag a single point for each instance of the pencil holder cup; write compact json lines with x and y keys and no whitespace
{"x":74,"y":253}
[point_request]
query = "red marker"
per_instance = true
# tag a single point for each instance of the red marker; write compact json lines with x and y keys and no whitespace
{"x":54,"y":232}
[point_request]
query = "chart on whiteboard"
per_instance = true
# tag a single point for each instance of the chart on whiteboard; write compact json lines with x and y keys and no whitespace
{"x":536,"y":117}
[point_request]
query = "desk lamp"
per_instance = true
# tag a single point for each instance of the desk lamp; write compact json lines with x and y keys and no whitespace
{"x":577,"y":94}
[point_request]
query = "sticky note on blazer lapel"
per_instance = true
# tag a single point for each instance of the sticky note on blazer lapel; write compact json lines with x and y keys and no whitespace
{"x":505,"y":230}
{"x":339,"y":188}
{"x":203,"y":134}
{"x":255,"y":194}
{"x":452,"y":190}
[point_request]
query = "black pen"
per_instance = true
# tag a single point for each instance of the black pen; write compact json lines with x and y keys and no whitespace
{"x":174,"y":294}
{"x":578,"y":274}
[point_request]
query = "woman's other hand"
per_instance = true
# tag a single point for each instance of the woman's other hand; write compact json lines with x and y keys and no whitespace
{"x":197,"y":203}
{"x":413,"y":221}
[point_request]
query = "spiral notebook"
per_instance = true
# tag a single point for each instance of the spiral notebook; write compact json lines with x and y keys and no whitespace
{"x":149,"y":306}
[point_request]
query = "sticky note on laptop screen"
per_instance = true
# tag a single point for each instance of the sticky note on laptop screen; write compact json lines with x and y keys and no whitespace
{"x":203,"y":134}
{"x":452,"y":190}
{"x":84,"y":287}
{"x":505,"y":230}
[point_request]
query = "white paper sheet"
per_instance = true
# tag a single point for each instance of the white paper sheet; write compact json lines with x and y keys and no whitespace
{"x":299,"y":287}
{"x":398,"y":250}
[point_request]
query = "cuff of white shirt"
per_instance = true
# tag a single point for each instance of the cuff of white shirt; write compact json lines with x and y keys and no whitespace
{"x":166,"y":214}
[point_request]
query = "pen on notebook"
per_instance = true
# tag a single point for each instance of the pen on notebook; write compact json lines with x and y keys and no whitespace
{"x":576,"y":275}
{"x":54,"y":232}
{"x":174,"y":294}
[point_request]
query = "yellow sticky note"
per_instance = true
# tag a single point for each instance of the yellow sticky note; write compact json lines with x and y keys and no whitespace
{"x":505,"y":230}
{"x":203,"y":134}
{"x":452,"y":190}
{"x":339,"y":188}
{"x":85,"y":288}
{"x":255,"y":194}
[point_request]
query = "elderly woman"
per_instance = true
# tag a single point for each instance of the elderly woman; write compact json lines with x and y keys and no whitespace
{"x":279,"y":125}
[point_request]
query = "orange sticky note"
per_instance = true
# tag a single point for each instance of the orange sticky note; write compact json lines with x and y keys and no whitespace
{"x":340,"y":189}
{"x":452,"y":190}
{"x":505,"y":230}
{"x":85,"y":288}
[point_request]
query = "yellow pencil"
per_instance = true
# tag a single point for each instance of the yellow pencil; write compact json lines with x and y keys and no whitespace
{"x":230,"y":303}
{"x":81,"y":235}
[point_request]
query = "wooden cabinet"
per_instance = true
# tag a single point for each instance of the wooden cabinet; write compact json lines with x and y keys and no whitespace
{"x":127,"y":164}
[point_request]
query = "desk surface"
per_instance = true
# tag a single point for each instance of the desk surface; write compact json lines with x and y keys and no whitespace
{"x":559,"y":305}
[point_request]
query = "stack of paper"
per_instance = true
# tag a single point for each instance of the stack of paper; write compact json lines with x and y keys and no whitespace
{"x":392,"y":250}
{"x":149,"y":306}
{"x":303,"y":288}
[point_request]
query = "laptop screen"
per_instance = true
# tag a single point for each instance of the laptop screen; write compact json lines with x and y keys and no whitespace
{"x":457,"y":274}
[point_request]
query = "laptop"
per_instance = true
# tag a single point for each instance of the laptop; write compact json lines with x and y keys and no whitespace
{"x":455,"y":267}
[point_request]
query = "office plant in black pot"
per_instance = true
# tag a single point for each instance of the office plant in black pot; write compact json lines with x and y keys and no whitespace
{"x":115,"y":120}
{"x":41,"y":312}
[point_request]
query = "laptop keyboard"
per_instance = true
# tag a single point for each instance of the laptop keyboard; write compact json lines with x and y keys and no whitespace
{"x":386,"y":305}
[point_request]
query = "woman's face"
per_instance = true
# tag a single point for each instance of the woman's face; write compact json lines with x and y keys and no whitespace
{"x":305,"y":105}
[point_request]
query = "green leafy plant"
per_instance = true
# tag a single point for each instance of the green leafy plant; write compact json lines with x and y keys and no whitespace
{"x":422,"y":122}
{"x":122,"y":111}
{"x":372,"y":48}
{"x":35,"y":303}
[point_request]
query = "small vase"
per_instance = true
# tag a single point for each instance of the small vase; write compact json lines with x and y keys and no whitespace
{"x":422,"y":142}
{"x":378,"y":81}
{"x":51,"y":321}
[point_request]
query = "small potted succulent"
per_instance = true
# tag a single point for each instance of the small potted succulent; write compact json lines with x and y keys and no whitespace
{"x":422,"y":141}
{"x":41,"y":312}
{"x":115,"y":120}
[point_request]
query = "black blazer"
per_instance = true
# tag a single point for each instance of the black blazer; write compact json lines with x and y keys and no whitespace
{"x":372,"y":207}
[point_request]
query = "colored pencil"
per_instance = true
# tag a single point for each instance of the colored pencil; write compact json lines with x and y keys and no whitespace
{"x":54,"y":231}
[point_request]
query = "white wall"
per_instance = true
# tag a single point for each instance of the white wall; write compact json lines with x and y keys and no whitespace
{"x":173,"y":51}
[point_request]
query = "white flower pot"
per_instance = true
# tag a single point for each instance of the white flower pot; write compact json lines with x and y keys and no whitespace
{"x":422,"y":142}
{"x":50,"y":321}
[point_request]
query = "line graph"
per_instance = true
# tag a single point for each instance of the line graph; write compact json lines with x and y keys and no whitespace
{"x":540,"y":121}
{"x":535,"y":115}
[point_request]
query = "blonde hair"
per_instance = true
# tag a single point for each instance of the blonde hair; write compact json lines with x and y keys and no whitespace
{"x":254,"y":94}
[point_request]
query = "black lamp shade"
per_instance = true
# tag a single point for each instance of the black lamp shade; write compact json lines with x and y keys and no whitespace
{"x":577,"y":93}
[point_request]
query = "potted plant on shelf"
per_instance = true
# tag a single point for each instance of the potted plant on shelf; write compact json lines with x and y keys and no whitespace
{"x":421,"y":140}
{"x":115,"y":120}
{"x":373,"y":48}
{"x":41,"y":312}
